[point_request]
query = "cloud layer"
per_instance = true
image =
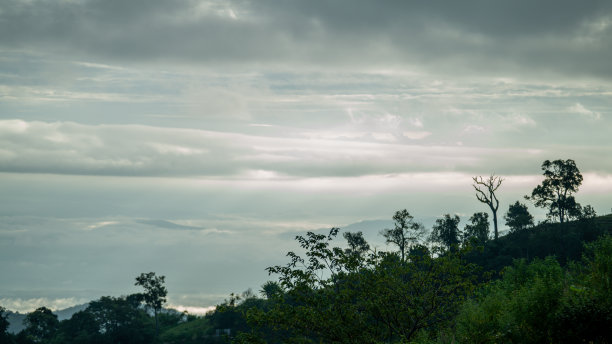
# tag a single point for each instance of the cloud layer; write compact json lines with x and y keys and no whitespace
{"x":492,"y":36}
{"x":136,"y":150}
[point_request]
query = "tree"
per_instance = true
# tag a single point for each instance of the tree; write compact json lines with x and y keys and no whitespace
{"x":446,"y":231}
{"x":121,"y":320}
{"x":478,"y":229}
{"x":561,"y":180}
{"x":405,"y":234}
{"x":518,"y":217}
{"x":387,"y":300}
{"x":485,"y":193}
{"x":81,"y":328}
{"x":4,"y":325}
{"x":356,"y":242}
{"x":155,"y":293}
{"x":270,"y":289}
{"x":587,"y":212}
{"x":41,"y":325}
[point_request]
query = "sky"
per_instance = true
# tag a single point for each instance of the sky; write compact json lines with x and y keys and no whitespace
{"x":197,"y":138}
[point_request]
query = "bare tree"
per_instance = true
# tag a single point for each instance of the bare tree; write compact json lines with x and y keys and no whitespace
{"x":485,"y":193}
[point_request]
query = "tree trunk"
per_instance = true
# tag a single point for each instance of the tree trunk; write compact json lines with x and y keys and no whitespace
{"x":156,"y":325}
{"x":495,"y":224}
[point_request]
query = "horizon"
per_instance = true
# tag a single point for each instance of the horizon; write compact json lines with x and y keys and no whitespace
{"x":197,"y":139}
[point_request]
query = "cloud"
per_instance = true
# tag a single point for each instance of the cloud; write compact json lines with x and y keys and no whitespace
{"x":581,"y":110}
{"x":474,"y":129}
{"x":445,"y":36}
{"x":416,"y":122}
{"x":28,"y":305}
{"x":388,"y":137}
{"x":416,"y":135}
{"x":138,"y":150}
{"x":166,"y":224}
{"x":192,"y":309}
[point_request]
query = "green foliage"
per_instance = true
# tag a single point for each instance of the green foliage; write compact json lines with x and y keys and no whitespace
{"x":583,"y":319}
{"x":478,"y":229}
{"x":520,"y":307}
{"x":561,"y":180}
{"x":518,"y":217}
{"x":271,"y":289}
{"x":564,"y":241}
{"x":330,"y":297}
{"x":41,"y":325}
{"x":598,"y":259}
{"x":196,"y":331}
{"x":586,"y":314}
{"x":155,"y":293}
{"x":81,"y":328}
{"x":446,"y":232}
{"x":5,"y":337}
{"x":121,"y":320}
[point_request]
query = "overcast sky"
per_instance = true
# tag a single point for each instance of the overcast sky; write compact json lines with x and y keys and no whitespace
{"x":196,"y":138}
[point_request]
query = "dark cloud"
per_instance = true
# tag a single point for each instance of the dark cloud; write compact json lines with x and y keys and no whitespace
{"x":499,"y":37}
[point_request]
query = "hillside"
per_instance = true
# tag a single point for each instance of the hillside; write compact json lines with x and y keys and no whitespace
{"x":564,"y":241}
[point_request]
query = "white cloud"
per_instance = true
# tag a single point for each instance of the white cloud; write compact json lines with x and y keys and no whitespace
{"x":578,"y":108}
{"x":192,"y":309}
{"x":416,"y":135}
{"x":28,"y":305}
{"x":522,"y":120}
{"x":473,"y":129}
{"x":387,"y":137}
{"x":416,"y":122}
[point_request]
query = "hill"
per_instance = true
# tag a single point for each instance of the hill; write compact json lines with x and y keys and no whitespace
{"x":564,"y":241}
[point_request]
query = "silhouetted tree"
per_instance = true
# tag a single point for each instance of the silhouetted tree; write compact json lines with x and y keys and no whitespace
{"x":446,"y":231}
{"x":121,"y":320}
{"x":477,"y":229}
{"x":405,"y":233}
{"x":271,"y":289}
{"x":386,"y":301}
{"x":561,"y":180}
{"x":586,"y":212}
{"x":4,"y":324}
{"x":155,"y":293}
{"x":81,"y":328}
{"x":485,"y":193}
{"x":356,"y":242}
{"x":518,"y":217}
{"x":41,"y":325}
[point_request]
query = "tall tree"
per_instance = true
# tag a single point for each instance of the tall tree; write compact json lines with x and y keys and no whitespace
{"x":446,"y":231}
{"x":155,"y":293}
{"x":485,"y":193}
{"x":518,"y":217}
{"x":561,"y":180}
{"x":477,"y":229}
{"x":405,"y":233}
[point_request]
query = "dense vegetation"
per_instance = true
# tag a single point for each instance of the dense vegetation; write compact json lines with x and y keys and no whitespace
{"x":548,"y":283}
